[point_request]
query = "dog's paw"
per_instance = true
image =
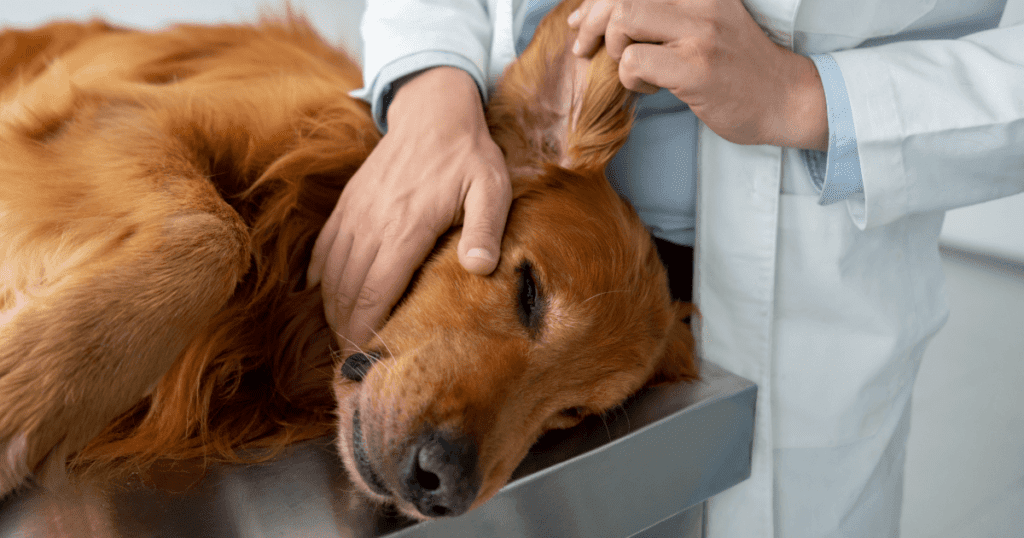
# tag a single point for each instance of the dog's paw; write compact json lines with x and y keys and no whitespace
{"x":14,"y":469}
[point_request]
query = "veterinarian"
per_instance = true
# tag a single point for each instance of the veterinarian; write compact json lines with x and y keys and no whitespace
{"x":824,"y":157}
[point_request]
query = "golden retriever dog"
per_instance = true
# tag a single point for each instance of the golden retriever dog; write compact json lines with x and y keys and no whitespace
{"x":160,"y":194}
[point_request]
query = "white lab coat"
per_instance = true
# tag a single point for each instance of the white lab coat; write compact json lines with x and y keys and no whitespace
{"x":827,"y":308}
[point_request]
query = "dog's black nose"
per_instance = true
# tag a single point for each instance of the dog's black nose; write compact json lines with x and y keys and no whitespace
{"x":357,"y":365}
{"x":439,"y":474}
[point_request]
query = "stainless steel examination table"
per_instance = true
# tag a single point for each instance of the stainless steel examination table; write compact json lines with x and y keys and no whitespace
{"x":645,"y":470}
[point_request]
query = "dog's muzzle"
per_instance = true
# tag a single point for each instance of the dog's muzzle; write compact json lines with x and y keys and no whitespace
{"x":437,"y":473}
{"x":363,"y":459}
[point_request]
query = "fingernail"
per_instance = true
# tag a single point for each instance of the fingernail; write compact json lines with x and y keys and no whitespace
{"x":576,"y":47}
{"x":480,"y":253}
{"x":575,"y":16}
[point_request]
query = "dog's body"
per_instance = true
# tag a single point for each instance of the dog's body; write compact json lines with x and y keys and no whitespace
{"x":159,"y":196}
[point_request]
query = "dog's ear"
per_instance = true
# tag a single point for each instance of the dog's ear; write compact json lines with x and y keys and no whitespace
{"x":679,"y":360}
{"x":552,"y":107}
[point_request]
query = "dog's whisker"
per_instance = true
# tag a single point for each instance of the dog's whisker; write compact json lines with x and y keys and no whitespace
{"x":602,"y":293}
{"x":341,"y":352}
{"x":391,"y":353}
{"x":386,"y":366}
{"x":622,"y":408}
{"x":380,"y":364}
{"x":605,"y":422}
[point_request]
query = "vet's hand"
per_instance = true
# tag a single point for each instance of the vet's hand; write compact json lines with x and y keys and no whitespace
{"x":714,"y":57}
{"x":436,"y":167}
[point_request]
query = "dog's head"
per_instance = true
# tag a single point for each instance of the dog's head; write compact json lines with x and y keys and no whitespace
{"x":469,"y":371}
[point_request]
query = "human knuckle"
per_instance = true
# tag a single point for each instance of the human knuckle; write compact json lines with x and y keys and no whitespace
{"x":592,"y":18}
{"x":627,"y":71}
{"x":626,"y":12}
{"x":706,"y":38}
{"x":483,"y":231}
{"x":629,"y":60}
{"x":631,"y":66}
{"x":590,"y":29}
{"x":493,"y":180}
{"x":395,"y":231}
{"x":368,"y":298}
{"x":633,"y":85}
{"x":702,"y":66}
{"x":340,"y":303}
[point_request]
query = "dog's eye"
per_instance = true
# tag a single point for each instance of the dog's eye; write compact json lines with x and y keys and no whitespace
{"x":530,"y":303}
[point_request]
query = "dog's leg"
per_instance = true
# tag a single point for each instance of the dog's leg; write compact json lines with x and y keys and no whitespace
{"x":103,"y":283}
{"x":24,"y":53}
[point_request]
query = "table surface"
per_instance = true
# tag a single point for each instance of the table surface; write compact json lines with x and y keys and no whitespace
{"x":663,"y":451}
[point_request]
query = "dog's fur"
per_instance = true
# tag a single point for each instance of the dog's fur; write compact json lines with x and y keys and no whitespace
{"x":159,"y":196}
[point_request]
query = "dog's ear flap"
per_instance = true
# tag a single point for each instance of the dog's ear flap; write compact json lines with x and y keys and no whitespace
{"x":679,"y":360}
{"x":553,"y":107}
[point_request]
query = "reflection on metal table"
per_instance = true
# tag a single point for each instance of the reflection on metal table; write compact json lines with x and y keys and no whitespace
{"x":644,"y":470}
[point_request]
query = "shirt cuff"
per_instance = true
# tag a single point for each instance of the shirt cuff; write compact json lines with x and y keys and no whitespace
{"x":835,"y":174}
{"x":383,"y":87}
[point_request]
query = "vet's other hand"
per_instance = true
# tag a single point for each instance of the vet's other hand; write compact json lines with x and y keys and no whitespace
{"x":714,"y":57}
{"x":436,"y":167}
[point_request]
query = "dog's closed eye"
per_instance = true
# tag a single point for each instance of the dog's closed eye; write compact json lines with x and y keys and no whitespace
{"x":530,"y":300}
{"x":574,"y":412}
{"x":568,"y":417}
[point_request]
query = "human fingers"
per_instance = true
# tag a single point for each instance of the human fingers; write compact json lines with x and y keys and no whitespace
{"x":386,"y":279}
{"x":591,"y":19}
{"x":322,"y":247}
{"x":485,"y":211}
{"x":744,"y":87}
{"x":579,"y":14}
{"x":647,"y":21}
{"x":645,"y":67}
{"x":344,"y":271}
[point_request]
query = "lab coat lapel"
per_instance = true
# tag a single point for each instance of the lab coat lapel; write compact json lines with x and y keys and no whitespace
{"x":737,"y":220}
{"x":737,"y":227}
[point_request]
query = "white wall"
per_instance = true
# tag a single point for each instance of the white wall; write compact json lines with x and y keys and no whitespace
{"x":995,"y":228}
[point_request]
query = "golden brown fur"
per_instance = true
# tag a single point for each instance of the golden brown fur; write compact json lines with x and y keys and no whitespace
{"x":159,"y":196}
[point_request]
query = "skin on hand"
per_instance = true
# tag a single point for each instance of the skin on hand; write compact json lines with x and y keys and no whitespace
{"x":436,"y":167}
{"x":713,"y":56}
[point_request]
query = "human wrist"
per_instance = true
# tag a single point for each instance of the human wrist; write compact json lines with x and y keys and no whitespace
{"x":802,"y":120}
{"x":443,"y":92}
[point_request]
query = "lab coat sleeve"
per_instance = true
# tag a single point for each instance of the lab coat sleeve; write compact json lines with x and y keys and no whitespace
{"x":401,"y":37}
{"x":939,"y":124}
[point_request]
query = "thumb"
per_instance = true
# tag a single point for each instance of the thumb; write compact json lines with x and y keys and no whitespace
{"x":485,"y":212}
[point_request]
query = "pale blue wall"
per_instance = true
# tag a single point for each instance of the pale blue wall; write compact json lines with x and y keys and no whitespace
{"x":337,"y":20}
